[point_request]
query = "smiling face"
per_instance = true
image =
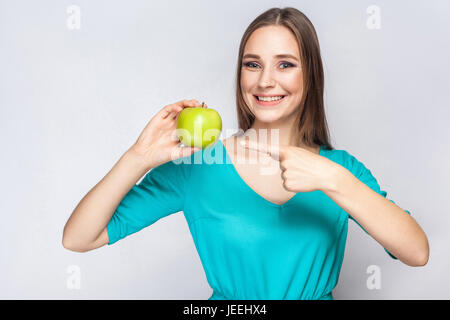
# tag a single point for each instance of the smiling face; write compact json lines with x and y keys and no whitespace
{"x":265,"y":73}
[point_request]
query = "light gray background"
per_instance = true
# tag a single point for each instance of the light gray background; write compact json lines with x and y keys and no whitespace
{"x":72,"y":101}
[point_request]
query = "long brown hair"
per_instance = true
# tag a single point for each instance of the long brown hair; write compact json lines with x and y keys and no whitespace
{"x":311,"y":124}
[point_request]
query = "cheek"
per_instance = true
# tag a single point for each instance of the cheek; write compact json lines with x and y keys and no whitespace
{"x":248,"y":79}
{"x":293,"y":83}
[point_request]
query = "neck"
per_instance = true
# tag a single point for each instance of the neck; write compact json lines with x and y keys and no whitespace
{"x":276,"y":133}
{"x":272,"y":132}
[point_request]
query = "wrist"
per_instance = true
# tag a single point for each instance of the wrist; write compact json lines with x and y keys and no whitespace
{"x":137,"y":160}
{"x":336,"y":175}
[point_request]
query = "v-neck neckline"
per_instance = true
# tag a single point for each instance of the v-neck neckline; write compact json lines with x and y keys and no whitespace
{"x":238,"y":176}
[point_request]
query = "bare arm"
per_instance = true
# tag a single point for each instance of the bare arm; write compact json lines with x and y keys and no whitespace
{"x":386,"y":222}
{"x":86,"y":228}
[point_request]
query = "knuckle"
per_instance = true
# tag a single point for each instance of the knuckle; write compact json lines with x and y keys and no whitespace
{"x":288,"y":184}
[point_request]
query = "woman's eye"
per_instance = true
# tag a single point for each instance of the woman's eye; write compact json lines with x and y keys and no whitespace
{"x":250,"y":64}
{"x":283,"y":65}
{"x":287,"y":64}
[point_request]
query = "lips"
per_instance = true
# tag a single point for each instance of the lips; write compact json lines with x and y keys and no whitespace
{"x":268,"y":95}
{"x":269,"y":103}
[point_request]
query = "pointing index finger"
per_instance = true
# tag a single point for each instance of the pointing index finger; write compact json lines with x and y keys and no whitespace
{"x":272,"y":150}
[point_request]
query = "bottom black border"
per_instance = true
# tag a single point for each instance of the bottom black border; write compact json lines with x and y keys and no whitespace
{"x":229,"y":309}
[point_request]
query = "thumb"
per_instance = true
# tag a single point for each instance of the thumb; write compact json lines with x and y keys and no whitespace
{"x":181,"y":152}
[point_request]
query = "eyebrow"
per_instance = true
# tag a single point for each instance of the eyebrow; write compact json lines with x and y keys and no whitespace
{"x":284,"y":55}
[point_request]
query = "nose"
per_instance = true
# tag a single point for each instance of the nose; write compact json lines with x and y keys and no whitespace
{"x":266,"y":79}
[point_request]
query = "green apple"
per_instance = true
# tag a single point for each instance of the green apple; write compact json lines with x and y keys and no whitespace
{"x":198,"y":127}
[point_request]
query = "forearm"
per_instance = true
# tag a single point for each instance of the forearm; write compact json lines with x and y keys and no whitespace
{"x":94,"y":211}
{"x":386,"y":222}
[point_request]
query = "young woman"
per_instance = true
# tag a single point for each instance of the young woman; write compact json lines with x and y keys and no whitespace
{"x":260,"y":233}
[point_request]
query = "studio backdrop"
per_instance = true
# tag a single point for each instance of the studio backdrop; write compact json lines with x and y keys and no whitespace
{"x":79,"y":80}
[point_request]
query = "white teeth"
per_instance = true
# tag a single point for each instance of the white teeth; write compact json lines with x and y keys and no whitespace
{"x":269,"y":98}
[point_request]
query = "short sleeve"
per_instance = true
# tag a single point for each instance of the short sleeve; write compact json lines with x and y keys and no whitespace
{"x":360,"y":171}
{"x":159,"y":194}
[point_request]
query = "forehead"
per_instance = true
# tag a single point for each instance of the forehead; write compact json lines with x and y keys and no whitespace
{"x":271,"y":40}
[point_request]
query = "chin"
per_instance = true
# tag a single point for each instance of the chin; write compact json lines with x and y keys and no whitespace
{"x":267,"y":116}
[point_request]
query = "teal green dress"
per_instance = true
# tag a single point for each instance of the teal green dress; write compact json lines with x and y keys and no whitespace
{"x":250,"y":248}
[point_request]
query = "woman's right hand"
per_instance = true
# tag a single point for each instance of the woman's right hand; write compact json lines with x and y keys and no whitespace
{"x":159,"y":143}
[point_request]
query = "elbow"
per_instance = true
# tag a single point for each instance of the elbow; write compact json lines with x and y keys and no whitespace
{"x":425,"y":253}
{"x":421,"y":252}
{"x":70,"y":242}
{"x":420,"y":262}
{"x":72,"y":245}
{"x":416,"y":258}
{"x":422,"y":257}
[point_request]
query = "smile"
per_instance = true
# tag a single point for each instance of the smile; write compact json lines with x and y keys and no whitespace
{"x":268,"y":101}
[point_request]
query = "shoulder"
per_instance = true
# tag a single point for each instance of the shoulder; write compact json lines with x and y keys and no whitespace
{"x":177,"y":169}
{"x":346,"y":159}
